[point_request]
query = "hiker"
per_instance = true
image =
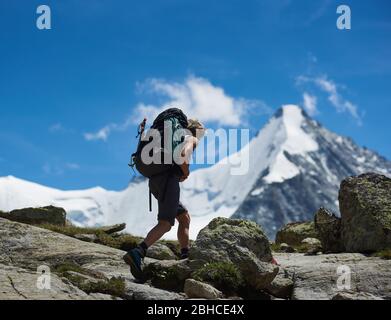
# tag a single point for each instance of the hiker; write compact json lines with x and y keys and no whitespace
{"x":164,"y":180}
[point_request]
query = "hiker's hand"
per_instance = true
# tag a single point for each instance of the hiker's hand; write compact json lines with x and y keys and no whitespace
{"x":183,"y":178}
{"x":185,"y":169}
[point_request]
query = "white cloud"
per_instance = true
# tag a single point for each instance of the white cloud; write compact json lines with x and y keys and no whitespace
{"x":56,"y":127}
{"x":310,"y":103}
{"x":334,"y":96}
{"x":50,"y":169}
{"x":197,"y":97}
{"x":72,"y":166}
{"x":59,"y":128}
{"x":102,"y":134}
{"x":58,"y":169}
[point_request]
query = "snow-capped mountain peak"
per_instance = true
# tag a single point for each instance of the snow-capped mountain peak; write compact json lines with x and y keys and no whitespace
{"x":289,"y":138}
{"x":304,"y":171}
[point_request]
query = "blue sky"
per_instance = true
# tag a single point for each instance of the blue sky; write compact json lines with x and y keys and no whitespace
{"x":70,"y":96}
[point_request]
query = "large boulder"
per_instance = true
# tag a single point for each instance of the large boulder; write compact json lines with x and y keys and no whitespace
{"x":365,"y":205}
{"x":319,"y":277}
{"x":346,"y":295}
{"x":311,"y":246}
{"x":281,"y":286}
{"x":160,"y":251}
{"x":168,"y":274}
{"x":50,"y":215}
{"x":328,"y":227}
{"x":25,"y":248}
{"x":198,"y":289}
{"x":284,"y":247}
{"x":294,"y":233}
{"x":239,"y":242}
{"x":20,"y":284}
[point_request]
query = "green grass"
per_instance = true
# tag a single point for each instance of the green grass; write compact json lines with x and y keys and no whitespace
{"x":123,"y":241}
{"x":384,"y":254}
{"x":62,"y":269}
{"x":174,"y":246}
{"x":69,"y":230}
{"x":114,"y":286}
{"x":301,"y":248}
{"x":222,"y":275}
{"x":275,"y":247}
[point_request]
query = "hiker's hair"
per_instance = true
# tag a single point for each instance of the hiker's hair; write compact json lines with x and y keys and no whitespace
{"x":196,"y":128}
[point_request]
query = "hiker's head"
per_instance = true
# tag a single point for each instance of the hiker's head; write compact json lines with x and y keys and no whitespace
{"x":196,"y":128}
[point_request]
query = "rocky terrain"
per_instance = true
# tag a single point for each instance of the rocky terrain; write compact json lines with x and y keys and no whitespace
{"x":341,"y":258}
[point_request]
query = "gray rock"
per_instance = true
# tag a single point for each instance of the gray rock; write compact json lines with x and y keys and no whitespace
{"x":23,"y":248}
{"x":160,"y":251}
{"x":311,"y":246}
{"x":294,"y":233}
{"x":20,"y":284}
{"x":197,"y":289}
{"x":315,"y":277}
{"x":355,"y":296}
{"x":50,"y":214}
{"x":284,"y":247}
{"x":83,"y":277}
{"x":101,"y":296}
{"x":365,"y":205}
{"x":281,"y":286}
{"x":86,"y":237}
{"x":240,"y":242}
{"x":168,"y":274}
{"x":311,"y":242}
{"x":113,"y":229}
{"x":221,"y":235}
{"x":138,"y":291}
{"x":328,"y":227}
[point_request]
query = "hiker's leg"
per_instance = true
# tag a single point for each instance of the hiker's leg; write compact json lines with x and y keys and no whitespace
{"x":167,"y":193}
{"x":183,"y":229}
{"x":157,"y":232}
{"x":135,"y":256}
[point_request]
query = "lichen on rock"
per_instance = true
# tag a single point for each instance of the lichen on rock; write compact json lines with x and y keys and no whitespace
{"x":294,"y":233}
{"x":240,"y":242}
{"x":328,"y":226}
{"x":365,"y":204}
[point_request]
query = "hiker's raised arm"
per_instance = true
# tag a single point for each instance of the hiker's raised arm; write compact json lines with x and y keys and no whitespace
{"x":188,"y":148}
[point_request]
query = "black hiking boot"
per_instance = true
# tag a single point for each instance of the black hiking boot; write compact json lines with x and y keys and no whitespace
{"x":184,"y":253}
{"x":134,"y":258}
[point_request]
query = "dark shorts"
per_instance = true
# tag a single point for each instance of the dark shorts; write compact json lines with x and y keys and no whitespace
{"x":165,"y":188}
